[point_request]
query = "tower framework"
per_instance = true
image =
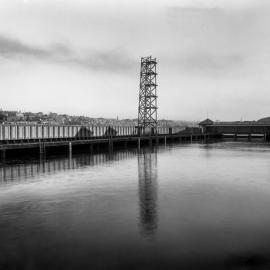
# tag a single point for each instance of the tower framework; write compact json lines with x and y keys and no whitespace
{"x":147,"y":112}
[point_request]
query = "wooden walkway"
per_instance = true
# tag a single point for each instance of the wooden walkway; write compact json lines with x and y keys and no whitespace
{"x":42,"y":145}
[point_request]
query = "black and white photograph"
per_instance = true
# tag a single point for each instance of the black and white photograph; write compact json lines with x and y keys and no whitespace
{"x":134,"y":134}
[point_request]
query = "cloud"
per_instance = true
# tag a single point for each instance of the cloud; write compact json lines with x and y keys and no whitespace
{"x":113,"y":60}
{"x":12,"y":47}
{"x":178,"y":11}
{"x":209,"y":63}
{"x":216,"y":39}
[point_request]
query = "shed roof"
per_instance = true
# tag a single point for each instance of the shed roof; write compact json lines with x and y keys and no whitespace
{"x":206,"y":122}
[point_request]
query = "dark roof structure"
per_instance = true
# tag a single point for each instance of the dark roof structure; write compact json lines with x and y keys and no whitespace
{"x":265,"y":119}
{"x":206,"y":122}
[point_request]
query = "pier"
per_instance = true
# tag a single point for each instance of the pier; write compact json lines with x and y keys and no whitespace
{"x":42,"y":138}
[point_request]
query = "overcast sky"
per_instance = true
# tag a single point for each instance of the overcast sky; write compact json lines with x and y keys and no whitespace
{"x":83,"y":57}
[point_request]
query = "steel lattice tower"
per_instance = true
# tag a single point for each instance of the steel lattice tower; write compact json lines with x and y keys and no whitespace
{"x":147,"y":113}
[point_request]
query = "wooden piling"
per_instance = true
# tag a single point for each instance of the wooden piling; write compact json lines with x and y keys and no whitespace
{"x":110,"y":145}
{"x":70,"y":147}
{"x":91,"y":148}
{"x":70,"y":159}
{"x":3,"y":154}
{"x":42,"y":148}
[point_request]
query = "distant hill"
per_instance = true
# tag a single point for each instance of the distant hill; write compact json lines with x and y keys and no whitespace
{"x":54,"y":118}
{"x":177,"y":123}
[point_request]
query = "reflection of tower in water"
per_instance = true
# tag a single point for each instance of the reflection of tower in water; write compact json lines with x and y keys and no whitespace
{"x":147,"y":170}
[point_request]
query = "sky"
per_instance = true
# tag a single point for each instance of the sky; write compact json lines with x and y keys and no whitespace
{"x":83,"y":57}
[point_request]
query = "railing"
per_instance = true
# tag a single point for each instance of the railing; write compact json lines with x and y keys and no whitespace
{"x":20,"y":132}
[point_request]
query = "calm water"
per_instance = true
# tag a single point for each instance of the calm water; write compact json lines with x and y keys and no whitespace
{"x":191,"y":206}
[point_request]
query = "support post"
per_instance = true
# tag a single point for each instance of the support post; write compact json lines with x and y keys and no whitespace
{"x":165,"y":141}
{"x":98,"y":147}
{"x":42,"y":149}
{"x":70,"y":159}
{"x":3,"y":154}
{"x":235,"y":136}
{"x":249,"y":137}
{"x":110,"y":145}
{"x":191,"y":139}
{"x":42,"y":157}
{"x":70,"y":147}
{"x":139,"y":143}
{"x":91,"y":148}
{"x":126,"y":143}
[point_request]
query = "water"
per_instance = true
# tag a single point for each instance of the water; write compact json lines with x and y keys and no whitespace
{"x":192,"y":206}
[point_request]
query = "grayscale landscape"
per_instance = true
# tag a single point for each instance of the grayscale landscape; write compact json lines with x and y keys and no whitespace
{"x":134,"y":134}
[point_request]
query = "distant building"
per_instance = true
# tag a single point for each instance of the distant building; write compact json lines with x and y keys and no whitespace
{"x":12,"y":116}
{"x":264,"y":120}
{"x":3,"y":117}
{"x":206,"y":122}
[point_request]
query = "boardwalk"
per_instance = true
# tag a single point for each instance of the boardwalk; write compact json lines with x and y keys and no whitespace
{"x":42,"y":137}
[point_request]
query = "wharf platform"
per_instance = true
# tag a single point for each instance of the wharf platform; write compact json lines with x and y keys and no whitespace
{"x":94,"y":143}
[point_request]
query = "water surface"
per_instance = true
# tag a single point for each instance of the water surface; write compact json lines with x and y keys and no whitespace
{"x":193,"y":206}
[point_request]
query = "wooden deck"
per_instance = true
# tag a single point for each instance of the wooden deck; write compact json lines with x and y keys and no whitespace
{"x":111,"y":142}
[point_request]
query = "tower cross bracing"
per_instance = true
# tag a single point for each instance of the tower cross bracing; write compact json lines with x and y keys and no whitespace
{"x":147,"y":112}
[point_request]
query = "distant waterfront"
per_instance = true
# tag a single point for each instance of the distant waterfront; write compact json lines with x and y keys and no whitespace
{"x":65,"y":119}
